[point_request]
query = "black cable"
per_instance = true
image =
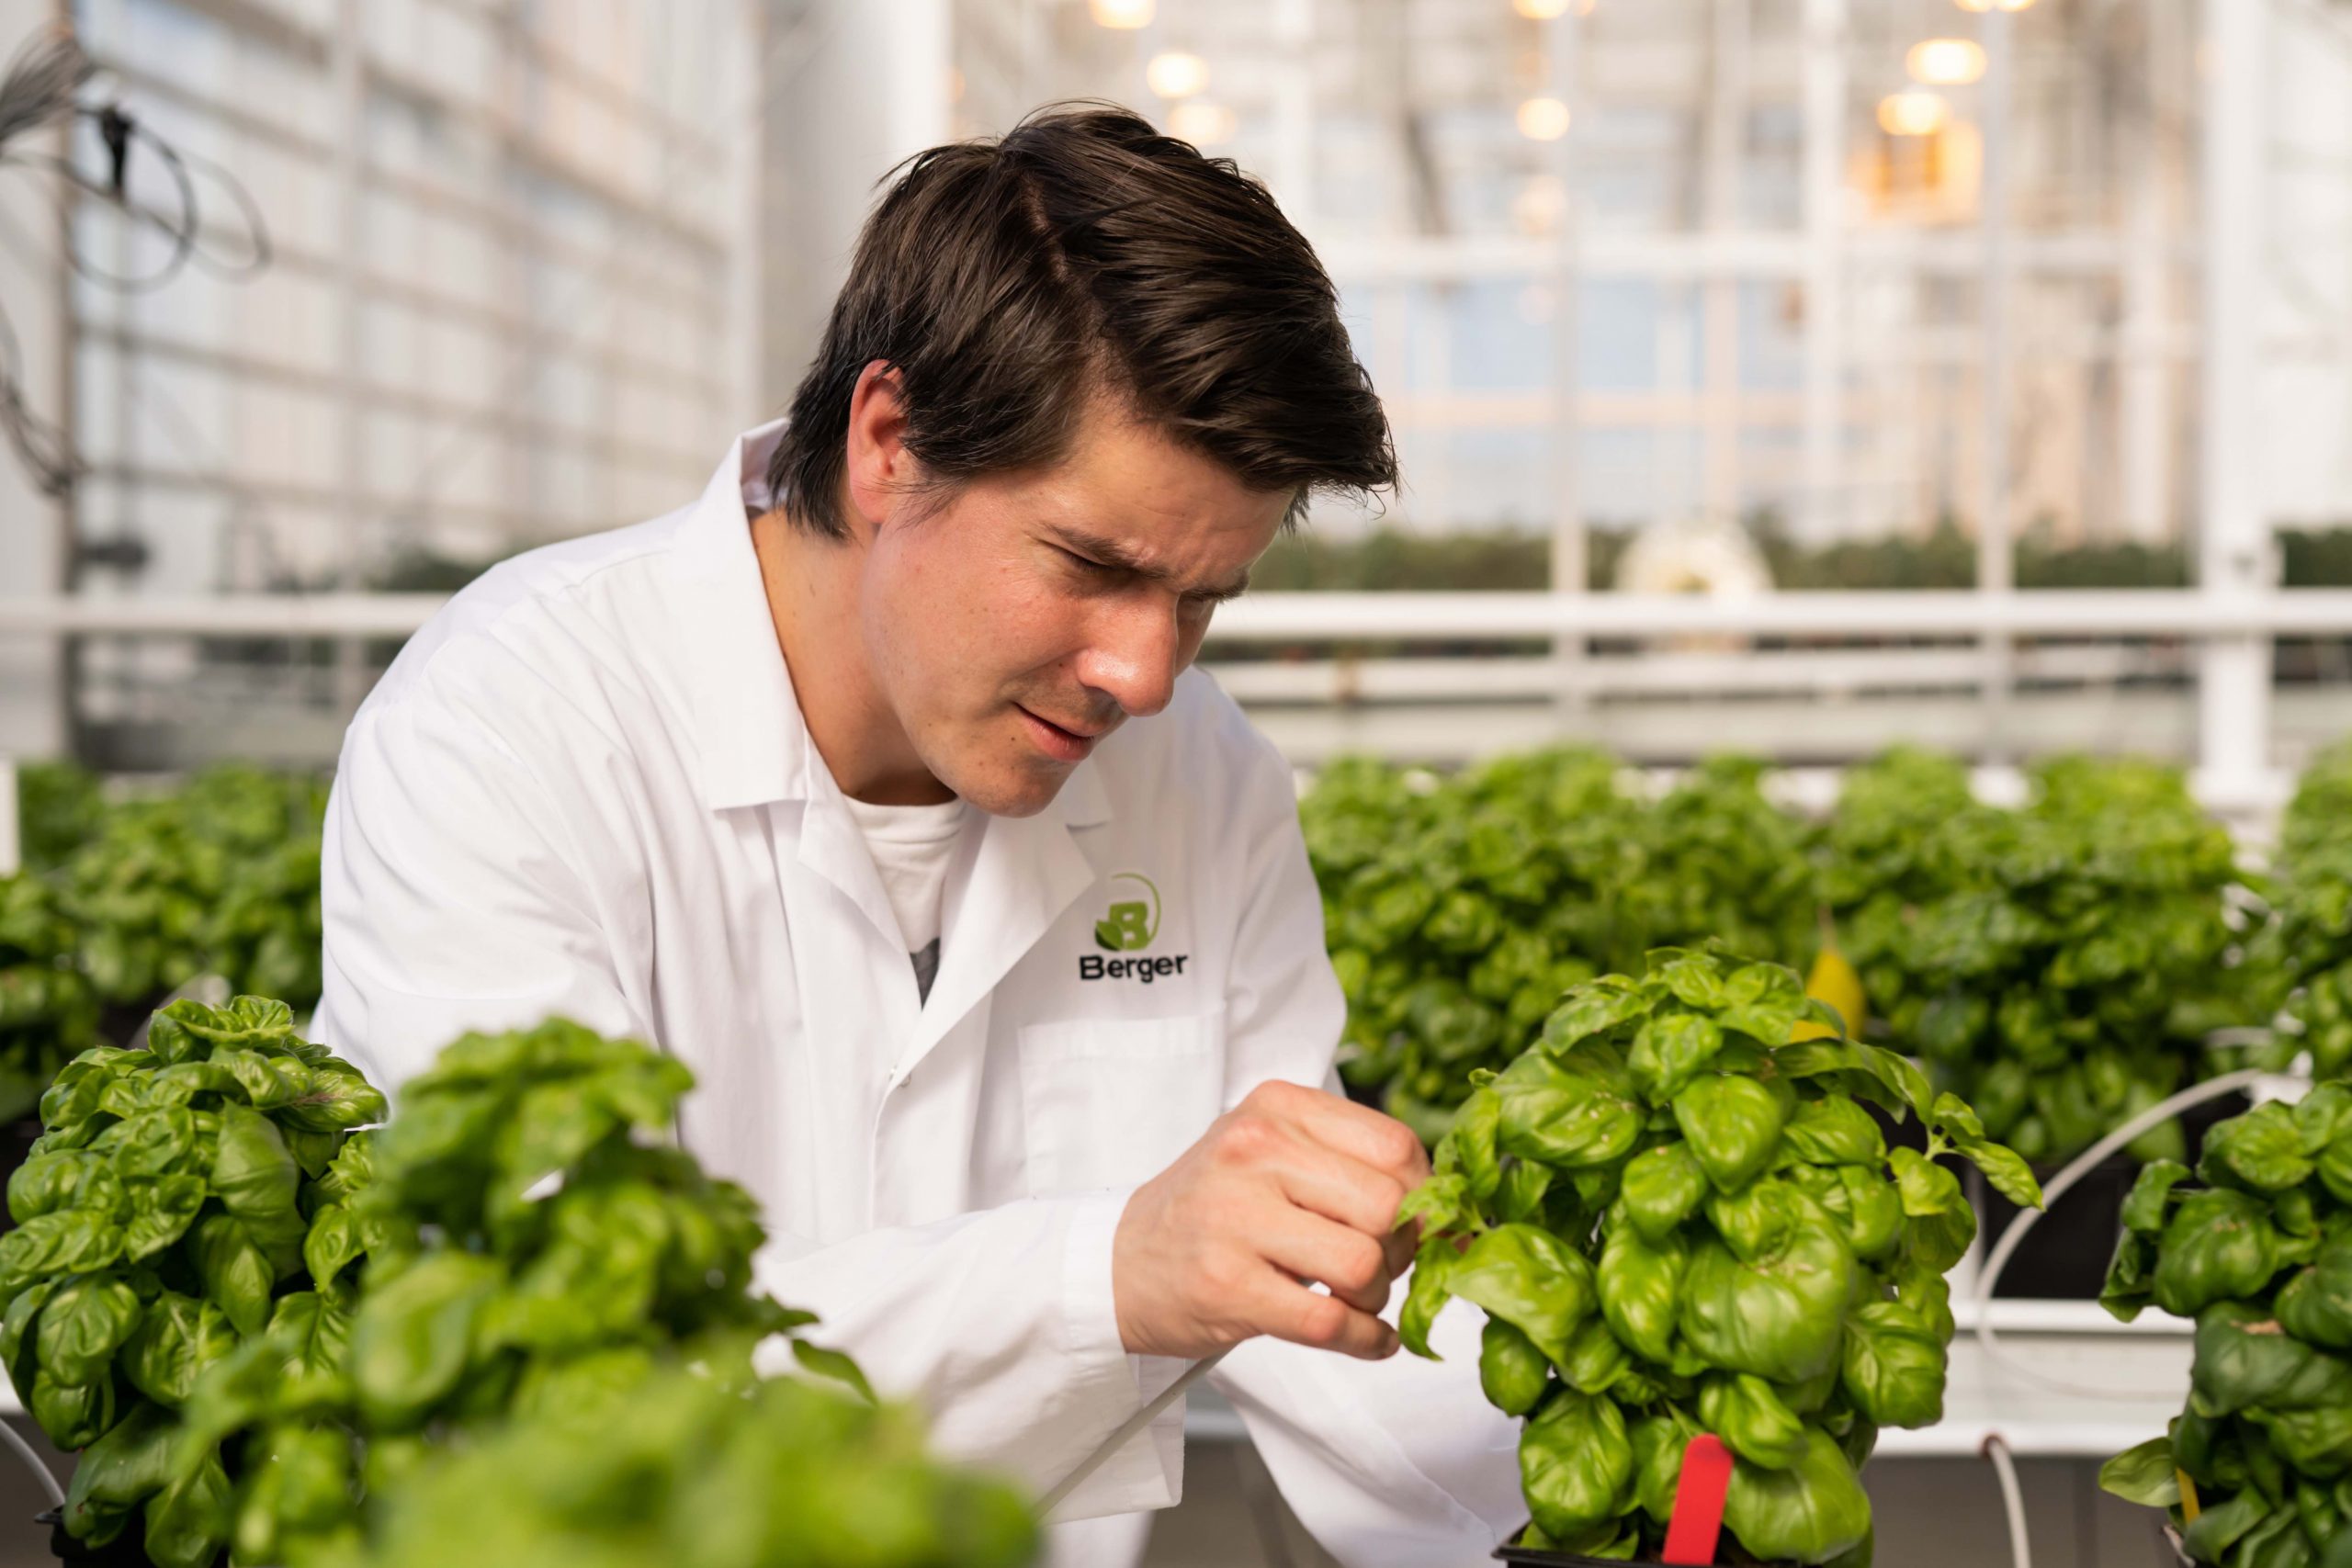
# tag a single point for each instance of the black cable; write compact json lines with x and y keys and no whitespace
{"x":41,"y":83}
{"x":43,"y":447}
{"x":39,"y":87}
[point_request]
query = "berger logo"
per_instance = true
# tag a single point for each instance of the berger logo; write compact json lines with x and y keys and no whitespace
{"x":1131,"y":924}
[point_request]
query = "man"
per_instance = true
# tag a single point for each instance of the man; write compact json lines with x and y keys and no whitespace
{"x":1015,"y":1015}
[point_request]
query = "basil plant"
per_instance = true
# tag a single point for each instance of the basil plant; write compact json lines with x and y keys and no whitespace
{"x":523,"y":1239}
{"x":1677,"y":1222}
{"x":180,"y":1202}
{"x":1457,"y":913}
{"x":2257,"y":1248}
{"x":674,"y":1468}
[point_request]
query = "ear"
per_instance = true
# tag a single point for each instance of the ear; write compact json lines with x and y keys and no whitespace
{"x":879,"y":470}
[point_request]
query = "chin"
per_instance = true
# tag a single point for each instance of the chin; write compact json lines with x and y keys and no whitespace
{"x":1008,"y":792}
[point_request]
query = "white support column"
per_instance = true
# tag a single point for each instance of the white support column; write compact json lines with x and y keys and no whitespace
{"x":348,"y":84}
{"x":747,"y":146}
{"x":1824,"y":509}
{"x":2144,"y":488}
{"x":1294,"y":169}
{"x":2234,"y":547}
{"x":1725,"y":141}
{"x":1995,"y":542}
{"x":1568,"y":545}
{"x":870,"y":90}
{"x":38,"y":528}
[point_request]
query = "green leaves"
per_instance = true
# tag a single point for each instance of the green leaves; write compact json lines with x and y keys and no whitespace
{"x":1530,"y":1280}
{"x":2220,"y":1245}
{"x":2264,"y":1259}
{"x":1574,"y":1463}
{"x":1563,"y":1114}
{"x":1811,"y":1512}
{"x":524,"y":1238}
{"x":1752,"y":1419}
{"x":1671,"y":1048}
{"x":1663,"y":1187}
{"x":411,"y":1343}
{"x":2144,"y":1475}
{"x":1733,"y":1124}
{"x":81,"y":1326}
{"x":1512,"y":1369}
{"x":1894,"y":1366}
{"x":1763,"y":1266}
{"x":1781,"y":1317}
{"x":668,"y":1467}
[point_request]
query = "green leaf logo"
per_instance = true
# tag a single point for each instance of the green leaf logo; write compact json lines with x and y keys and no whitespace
{"x":1129,"y":925}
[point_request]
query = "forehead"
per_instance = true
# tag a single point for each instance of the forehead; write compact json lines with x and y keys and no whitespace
{"x":1127,"y":480}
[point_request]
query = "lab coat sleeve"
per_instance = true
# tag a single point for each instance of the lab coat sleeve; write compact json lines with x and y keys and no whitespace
{"x":1394,"y":1463}
{"x":451,"y":895}
{"x":1000,"y":1324}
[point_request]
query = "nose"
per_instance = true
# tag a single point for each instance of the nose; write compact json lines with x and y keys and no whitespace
{"x":1133,"y":656}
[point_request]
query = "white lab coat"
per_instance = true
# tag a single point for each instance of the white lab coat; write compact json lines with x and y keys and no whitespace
{"x":585,"y":788}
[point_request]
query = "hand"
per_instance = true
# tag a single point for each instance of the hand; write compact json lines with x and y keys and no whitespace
{"x":1290,"y":1188}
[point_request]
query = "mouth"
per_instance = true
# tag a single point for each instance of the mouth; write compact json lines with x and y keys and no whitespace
{"x":1060,"y":742}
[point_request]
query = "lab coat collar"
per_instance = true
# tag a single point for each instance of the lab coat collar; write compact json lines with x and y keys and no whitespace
{"x":748,"y":734}
{"x":754,"y":745}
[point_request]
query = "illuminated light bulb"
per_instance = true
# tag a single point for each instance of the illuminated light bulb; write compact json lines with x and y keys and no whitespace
{"x":1913,"y":113}
{"x":1947,"y":62}
{"x":1173,"y":73}
{"x":1538,"y":206}
{"x":1201,"y":124}
{"x":1983,"y":5}
{"x":1543,"y":120}
{"x":1125,"y":15}
{"x":1545,"y":10}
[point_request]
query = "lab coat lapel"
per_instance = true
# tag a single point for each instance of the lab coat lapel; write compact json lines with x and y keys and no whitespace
{"x":1029,"y":870}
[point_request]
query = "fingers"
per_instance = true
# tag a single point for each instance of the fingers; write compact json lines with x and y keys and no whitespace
{"x":1320,"y":1178}
{"x":1307,"y":1247}
{"x":1381,"y":1141}
{"x":1291,"y":1311}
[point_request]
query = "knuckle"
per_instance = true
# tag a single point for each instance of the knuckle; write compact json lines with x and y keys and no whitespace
{"x":1323,"y":1323}
{"x":1366,"y":1265}
{"x":1402,"y":1145}
{"x":1246,"y":1139}
{"x":1275,"y":1097}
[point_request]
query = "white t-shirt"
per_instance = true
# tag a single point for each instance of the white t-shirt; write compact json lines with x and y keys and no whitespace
{"x":911,"y":846}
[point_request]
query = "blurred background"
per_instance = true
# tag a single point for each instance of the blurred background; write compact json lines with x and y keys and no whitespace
{"x":1789,"y":376}
{"x":2025,"y":326}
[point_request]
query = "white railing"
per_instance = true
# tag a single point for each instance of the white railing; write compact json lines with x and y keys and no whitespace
{"x":1296,"y":617}
{"x":2116,"y":663}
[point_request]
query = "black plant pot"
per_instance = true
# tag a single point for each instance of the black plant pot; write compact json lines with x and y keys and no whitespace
{"x":2065,"y":1257}
{"x":1533,"y":1557}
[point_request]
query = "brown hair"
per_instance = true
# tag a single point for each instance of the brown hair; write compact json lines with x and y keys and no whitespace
{"x":1007,"y":281}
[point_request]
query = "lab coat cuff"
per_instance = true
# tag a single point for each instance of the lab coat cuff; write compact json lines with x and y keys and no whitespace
{"x":1091,"y":1309}
{"x":1109,"y":1384}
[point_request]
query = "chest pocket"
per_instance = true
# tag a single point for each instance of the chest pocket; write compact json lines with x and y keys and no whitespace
{"x":1111,"y":1102}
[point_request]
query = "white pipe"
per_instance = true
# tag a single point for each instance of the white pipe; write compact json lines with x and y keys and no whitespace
{"x":2059,"y":1185}
{"x":1997,"y":1449}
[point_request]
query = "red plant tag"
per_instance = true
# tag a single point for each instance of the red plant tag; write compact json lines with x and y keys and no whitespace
{"x":1699,"y":1502}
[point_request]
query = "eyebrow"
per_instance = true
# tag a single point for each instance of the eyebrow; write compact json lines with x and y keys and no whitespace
{"x":1111,"y":553}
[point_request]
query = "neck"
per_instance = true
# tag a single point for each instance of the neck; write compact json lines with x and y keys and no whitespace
{"x":812,"y":588}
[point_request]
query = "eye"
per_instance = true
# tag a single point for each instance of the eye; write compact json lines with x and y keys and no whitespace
{"x":1087,"y":564}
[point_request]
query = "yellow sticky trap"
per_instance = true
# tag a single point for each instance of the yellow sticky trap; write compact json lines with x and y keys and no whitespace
{"x":2188,"y":1509}
{"x":1833,"y":981}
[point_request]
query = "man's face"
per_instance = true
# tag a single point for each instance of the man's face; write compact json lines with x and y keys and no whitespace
{"x":1029,"y":616}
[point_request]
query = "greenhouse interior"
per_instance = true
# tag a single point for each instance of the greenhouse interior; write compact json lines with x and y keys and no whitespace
{"x":1591,"y":762}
